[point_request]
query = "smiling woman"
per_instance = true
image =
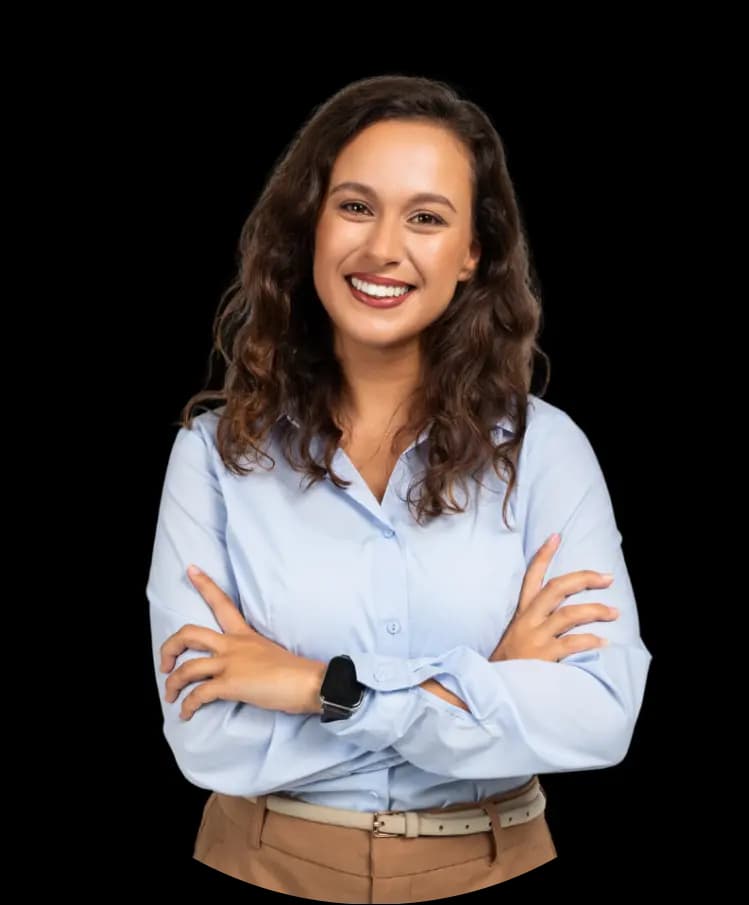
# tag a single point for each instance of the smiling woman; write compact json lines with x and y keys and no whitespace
{"x":380,"y":188}
{"x":393,"y":240}
{"x":361,"y":672}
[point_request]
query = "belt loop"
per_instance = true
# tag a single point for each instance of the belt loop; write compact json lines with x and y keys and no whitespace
{"x":491,"y":807}
{"x":412,"y":824}
{"x":257,"y":819}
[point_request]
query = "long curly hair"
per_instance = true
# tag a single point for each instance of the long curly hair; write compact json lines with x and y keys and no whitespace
{"x":276,"y":338}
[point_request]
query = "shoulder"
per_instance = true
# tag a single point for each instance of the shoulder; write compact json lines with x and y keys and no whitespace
{"x":545,"y":418}
{"x":206,"y":422}
{"x":542,"y":418}
{"x":553,"y":438}
{"x":197,"y":443}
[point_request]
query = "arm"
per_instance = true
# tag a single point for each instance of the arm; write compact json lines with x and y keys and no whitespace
{"x":232,"y":748}
{"x":525,"y":716}
{"x":435,"y":687}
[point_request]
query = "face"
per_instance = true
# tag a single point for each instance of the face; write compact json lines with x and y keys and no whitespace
{"x":390,"y":232}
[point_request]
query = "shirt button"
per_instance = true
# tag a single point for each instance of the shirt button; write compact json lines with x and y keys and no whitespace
{"x":394,"y":627}
{"x":373,"y":794}
{"x":388,"y":532}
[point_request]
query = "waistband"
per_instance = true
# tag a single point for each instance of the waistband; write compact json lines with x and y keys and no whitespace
{"x":511,"y":807}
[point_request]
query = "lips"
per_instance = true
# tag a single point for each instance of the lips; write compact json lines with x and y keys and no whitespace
{"x":380,"y":281}
{"x":372,"y":302}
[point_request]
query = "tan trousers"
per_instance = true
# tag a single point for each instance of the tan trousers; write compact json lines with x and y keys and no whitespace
{"x":329,"y":863}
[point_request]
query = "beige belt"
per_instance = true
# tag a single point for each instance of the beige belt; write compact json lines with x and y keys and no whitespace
{"x":520,"y":809}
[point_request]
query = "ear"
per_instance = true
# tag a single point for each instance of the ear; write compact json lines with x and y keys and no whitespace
{"x":471,"y":262}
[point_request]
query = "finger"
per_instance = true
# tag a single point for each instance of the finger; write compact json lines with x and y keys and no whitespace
{"x":558,"y":589}
{"x":573,"y":644}
{"x":536,"y":571}
{"x":572,"y":615}
{"x":203,"y":694}
{"x":189,"y":637}
{"x":224,"y":609}
{"x":192,"y":671}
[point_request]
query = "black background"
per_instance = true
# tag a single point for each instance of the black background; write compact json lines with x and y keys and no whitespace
{"x":190,"y":156}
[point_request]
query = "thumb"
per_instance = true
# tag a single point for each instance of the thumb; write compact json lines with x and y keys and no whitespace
{"x":535,"y":574}
{"x":227,"y":612}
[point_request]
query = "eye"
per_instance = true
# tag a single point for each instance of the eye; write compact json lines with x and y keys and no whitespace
{"x":435,"y":220}
{"x":347,"y":204}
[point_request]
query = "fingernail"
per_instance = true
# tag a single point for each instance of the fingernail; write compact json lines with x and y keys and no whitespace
{"x":193,"y":571}
{"x":607,"y":576}
{"x":552,"y":539}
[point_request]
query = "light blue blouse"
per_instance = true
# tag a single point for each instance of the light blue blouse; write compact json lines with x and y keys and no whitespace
{"x":326,"y":571}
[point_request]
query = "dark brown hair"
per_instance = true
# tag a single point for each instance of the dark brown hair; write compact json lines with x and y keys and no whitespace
{"x":276,"y":338}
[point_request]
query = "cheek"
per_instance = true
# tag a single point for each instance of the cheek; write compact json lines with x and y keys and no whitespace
{"x":444,"y":256}
{"x":435,"y":304}
{"x":328,"y":283}
{"x":331,"y":253}
{"x":334,"y":239}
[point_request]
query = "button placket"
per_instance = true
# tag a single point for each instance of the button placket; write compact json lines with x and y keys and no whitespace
{"x":390,"y":594}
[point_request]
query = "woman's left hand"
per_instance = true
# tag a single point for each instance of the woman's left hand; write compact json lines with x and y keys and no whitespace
{"x":244,"y":666}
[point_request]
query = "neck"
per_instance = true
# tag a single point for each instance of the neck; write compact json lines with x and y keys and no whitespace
{"x":380,"y":385}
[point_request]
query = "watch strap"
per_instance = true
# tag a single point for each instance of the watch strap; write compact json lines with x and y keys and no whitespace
{"x":342,"y":669}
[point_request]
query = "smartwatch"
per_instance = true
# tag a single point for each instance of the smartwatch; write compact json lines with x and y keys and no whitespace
{"x":340,"y":693}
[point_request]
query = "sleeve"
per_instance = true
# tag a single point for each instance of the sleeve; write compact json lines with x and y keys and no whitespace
{"x":226,"y":746}
{"x":525,"y":716}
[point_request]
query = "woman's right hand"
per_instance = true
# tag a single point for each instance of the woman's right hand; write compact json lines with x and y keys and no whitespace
{"x":537,"y":623}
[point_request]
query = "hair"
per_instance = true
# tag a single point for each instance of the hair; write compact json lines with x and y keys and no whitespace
{"x":276,"y":338}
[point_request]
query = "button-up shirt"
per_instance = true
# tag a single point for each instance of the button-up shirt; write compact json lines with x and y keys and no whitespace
{"x":324,"y":571}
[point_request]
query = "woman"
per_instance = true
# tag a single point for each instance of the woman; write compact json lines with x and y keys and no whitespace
{"x":370,"y":683}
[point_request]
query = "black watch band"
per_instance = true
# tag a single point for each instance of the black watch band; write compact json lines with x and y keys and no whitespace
{"x":340,"y":693}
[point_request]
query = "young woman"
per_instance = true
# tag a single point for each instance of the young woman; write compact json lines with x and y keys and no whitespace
{"x":370,"y":682}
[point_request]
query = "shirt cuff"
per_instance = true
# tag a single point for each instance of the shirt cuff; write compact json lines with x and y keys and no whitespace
{"x":461,"y":670}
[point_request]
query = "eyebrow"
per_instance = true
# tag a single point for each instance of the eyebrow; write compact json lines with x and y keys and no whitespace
{"x":370,"y":192}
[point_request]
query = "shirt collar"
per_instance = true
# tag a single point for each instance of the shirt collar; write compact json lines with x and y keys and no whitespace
{"x":504,"y":424}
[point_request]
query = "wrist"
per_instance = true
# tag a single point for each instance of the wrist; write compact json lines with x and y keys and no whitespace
{"x":436,"y":688}
{"x":315,"y":674}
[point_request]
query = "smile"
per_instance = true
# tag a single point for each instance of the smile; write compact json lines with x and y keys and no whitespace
{"x":373,"y":301}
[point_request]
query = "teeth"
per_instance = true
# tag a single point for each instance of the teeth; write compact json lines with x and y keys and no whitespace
{"x":379,"y":291}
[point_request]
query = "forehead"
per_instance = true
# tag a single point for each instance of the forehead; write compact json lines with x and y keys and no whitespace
{"x":406,"y":157}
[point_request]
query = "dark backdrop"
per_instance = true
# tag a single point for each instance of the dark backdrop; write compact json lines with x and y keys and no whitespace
{"x":192,"y":155}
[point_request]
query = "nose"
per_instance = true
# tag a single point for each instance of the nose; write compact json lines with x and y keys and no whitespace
{"x":385,"y":239}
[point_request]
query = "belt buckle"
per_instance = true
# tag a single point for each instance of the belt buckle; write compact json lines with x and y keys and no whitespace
{"x":379,"y":833}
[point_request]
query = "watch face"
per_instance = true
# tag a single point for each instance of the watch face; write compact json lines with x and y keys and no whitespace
{"x":340,"y":685}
